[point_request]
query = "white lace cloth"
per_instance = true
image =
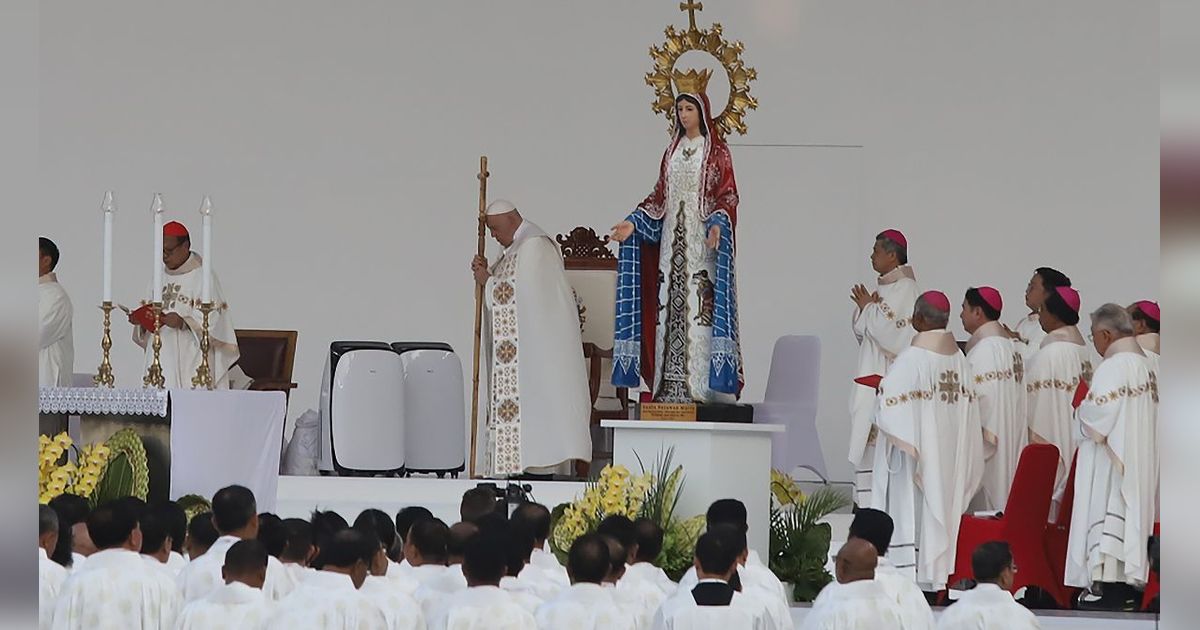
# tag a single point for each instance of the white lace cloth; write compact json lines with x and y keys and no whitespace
{"x":102,"y":401}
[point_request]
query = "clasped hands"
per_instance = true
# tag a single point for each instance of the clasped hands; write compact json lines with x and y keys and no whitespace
{"x":862,"y":297}
{"x":624,"y":230}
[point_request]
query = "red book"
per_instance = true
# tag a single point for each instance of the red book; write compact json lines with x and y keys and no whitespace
{"x":1081,"y":393}
{"x":871,"y":381}
{"x":145,"y":317}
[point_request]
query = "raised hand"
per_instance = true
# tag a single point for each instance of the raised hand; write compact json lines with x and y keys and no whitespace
{"x":714,"y":237}
{"x":621,"y":231}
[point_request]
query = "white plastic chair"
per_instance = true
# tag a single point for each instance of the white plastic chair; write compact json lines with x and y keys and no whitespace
{"x":791,"y":400}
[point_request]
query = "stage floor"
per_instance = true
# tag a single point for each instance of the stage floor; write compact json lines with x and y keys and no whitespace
{"x":299,"y":496}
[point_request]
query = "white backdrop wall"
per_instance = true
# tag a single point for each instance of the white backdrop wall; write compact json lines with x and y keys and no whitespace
{"x":340,"y":141}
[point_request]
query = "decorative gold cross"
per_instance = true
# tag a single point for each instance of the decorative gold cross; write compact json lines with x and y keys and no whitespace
{"x":691,"y":8}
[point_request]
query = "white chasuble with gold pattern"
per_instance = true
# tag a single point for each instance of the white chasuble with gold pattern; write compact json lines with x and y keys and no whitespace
{"x":539,"y":408}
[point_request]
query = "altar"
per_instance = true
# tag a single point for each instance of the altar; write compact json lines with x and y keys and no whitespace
{"x":197,"y":441}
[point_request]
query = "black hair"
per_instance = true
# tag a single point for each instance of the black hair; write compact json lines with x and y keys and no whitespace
{"x":71,"y":509}
{"x":1058,"y":307}
{"x":728,"y":511}
{"x":271,"y":533}
{"x":716,"y":552}
{"x":974,"y":298}
{"x":888,"y":245}
{"x":1052,"y":278}
{"x":155,"y":530}
{"x":534,"y":516}
{"x":46,"y":247}
{"x":349,"y":546}
{"x":299,"y":540}
{"x":588,"y":559}
{"x":477,"y":503}
{"x":873,"y":526}
{"x":1138,"y":315}
{"x":111,"y":524}
{"x":429,"y":538}
{"x":233,"y":507}
{"x":325,"y":525}
{"x":176,"y":519}
{"x":458,"y":537}
{"x":409,"y":515}
{"x":379,"y":522}
{"x":483,"y":559}
{"x":47,"y":520}
{"x":202,"y":530}
{"x":649,"y":539}
{"x":246,"y":556}
{"x":990,"y":560}
{"x":519,"y":548}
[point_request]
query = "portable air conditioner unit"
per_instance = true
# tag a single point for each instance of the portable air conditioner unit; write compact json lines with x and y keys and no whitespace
{"x":435,"y":422}
{"x":362,"y":410}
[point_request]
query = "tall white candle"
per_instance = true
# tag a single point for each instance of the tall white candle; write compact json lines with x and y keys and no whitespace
{"x":157,"y":209}
{"x":108,"y":207}
{"x":206,"y":253}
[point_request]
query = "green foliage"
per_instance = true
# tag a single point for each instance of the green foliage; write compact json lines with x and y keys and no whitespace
{"x":799,"y":544}
{"x":127,"y":472}
{"x":193,"y":504}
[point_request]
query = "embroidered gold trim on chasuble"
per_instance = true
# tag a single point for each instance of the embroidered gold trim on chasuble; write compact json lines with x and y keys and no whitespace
{"x":504,"y":417}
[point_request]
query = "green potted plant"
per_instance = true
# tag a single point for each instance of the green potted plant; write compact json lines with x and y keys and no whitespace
{"x":799,"y":544}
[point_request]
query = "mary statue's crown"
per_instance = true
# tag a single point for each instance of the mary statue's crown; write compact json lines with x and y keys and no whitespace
{"x":692,"y":81}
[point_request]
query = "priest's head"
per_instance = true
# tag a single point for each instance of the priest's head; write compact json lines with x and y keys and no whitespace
{"x":407,"y":516}
{"x":156,"y":533}
{"x":649,"y":540}
{"x":931,"y":311}
{"x":350,"y":552}
{"x":622,"y":529}
{"x":727,"y":512}
{"x":980,"y":306}
{"x":1043,"y":282}
{"x":477,"y":503}
{"x":426,"y":543}
{"x":535,"y":517}
{"x":855,"y":561}
{"x":246,"y":562}
{"x":873,"y":526}
{"x":461,"y":535}
{"x":271,"y":533}
{"x":325,"y":525}
{"x":890,"y":251}
{"x":1061,"y":308}
{"x":299,"y":547}
{"x":235,"y":512}
{"x":201,"y":535}
{"x":483,"y":561}
{"x":588,"y":561}
{"x":378,"y":522}
{"x":1146,"y":316}
{"x":114,"y":525}
{"x":378,"y":563}
{"x":47,"y":528}
{"x":617,"y":553}
{"x":716,"y":554}
{"x":177,"y":245}
{"x":992,"y":562}
{"x":47,"y":256}
{"x":1110,"y":323}
{"x":503,"y":219}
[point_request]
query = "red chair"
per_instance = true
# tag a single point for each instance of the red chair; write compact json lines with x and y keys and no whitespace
{"x":1151,"y":584}
{"x":1022,"y":524}
{"x":1058,"y":534}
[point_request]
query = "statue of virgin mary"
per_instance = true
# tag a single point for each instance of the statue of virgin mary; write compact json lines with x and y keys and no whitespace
{"x":676,"y":283}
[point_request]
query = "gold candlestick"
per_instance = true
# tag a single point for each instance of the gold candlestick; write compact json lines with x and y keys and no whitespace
{"x":104,"y":374}
{"x":154,"y":375}
{"x":203,"y":377}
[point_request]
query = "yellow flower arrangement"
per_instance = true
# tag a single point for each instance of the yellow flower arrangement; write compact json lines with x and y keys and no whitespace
{"x":76,"y":477}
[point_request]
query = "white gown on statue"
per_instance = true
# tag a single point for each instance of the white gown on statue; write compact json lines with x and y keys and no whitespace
{"x":539,"y":408}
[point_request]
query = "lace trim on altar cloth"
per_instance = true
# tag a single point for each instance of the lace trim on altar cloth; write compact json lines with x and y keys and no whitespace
{"x":95,"y":401}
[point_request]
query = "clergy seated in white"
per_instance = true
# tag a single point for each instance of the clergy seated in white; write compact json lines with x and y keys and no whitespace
{"x":586,"y":604}
{"x":752,"y":571}
{"x":298,"y":550}
{"x":201,"y":535}
{"x":156,"y":523}
{"x":857,"y":601}
{"x":997,"y":376}
{"x":380,"y":524}
{"x":876,"y":528}
{"x":1029,"y":332}
{"x":1052,"y":376}
{"x":644,"y":585}
{"x":182,"y":320}
{"x":330,"y":597}
{"x":929,"y":460}
{"x":881,"y":325}
{"x":536,"y":518}
{"x":51,"y":574}
{"x":115,"y":588}
{"x":56,"y":345}
{"x":1116,"y":481}
{"x":713,"y":602}
{"x":990,"y":604}
{"x":529,"y":585}
{"x":432,"y":594}
{"x":538,"y":405}
{"x":239,"y":602}
{"x":405,"y":517}
{"x":1146,"y":325}
{"x":235,"y":515}
{"x":399,"y":609}
{"x":74,"y":543}
{"x":483,"y":605}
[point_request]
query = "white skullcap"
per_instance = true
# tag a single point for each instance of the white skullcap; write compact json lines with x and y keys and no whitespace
{"x":500,"y":206}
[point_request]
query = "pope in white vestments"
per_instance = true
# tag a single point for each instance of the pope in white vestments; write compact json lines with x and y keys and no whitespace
{"x":856,"y":601}
{"x":997,"y":377}
{"x":929,"y":463}
{"x":881,"y":326}
{"x":1116,"y":481}
{"x":182,"y":319}
{"x":1028,"y":333}
{"x":1052,"y":377}
{"x":539,"y":408}
{"x":56,"y":349}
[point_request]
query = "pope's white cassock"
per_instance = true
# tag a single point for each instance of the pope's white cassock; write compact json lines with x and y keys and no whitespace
{"x":899,"y":587}
{"x":930,"y":459}
{"x":482,"y":608}
{"x":51,"y":576}
{"x":117,"y":590}
{"x":1051,"y":377}
{"x":180,"y":354}
{"x":232,"y":605}
{"x":1116,"y":479}
{"x":987,"y":607}
{"x":56,"y":345}
{"x":539,"y":405}
{"x":400,"y":610}
{"x":882,"y":329}
{"x":585,"y":606}
{"x":202,"y":575}
{"x":1029,"y":335}
{"x":859,"y":605}
{"x":997,"y":373}
{"x":329,"y":601}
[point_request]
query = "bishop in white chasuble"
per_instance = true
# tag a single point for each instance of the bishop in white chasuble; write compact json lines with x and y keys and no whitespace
{"x":182,"y":320}
{"x":1116,"y":481}
{"x":997,"y":378}
{"x":539,"y":408}
{"x":56,"y":344}
{"x":881,"y":326}
{"x":1146,"y":325}
{"x":1052,"y":377}
{"x":930,"y":461}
